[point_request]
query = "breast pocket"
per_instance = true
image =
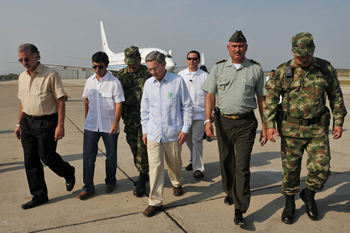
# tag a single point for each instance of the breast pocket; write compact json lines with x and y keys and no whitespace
{"x":223,"y":84}
{"x":320,"y":85}
{"x":107,"y":100}
{"x":249,"y":88}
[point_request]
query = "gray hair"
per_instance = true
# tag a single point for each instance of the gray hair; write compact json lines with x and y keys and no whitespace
{"x":156,"y":55}
{"x":32,"y":48}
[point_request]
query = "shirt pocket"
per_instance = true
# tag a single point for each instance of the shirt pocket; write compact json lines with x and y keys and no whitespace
{"x":223,"y":84}
{"x":320,"y":85}
{"x":249,"y":88}
{"x":107,"y":100}
{"x":172,"y":131}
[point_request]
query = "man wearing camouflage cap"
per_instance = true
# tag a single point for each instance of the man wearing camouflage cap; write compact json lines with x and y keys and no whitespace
{"x":236,"y":81}
{"x":133,"y":78}
{"x":303,"y":83}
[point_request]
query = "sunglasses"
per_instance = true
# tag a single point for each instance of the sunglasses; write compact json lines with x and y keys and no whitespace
{"x":25,"y":59}
{"x":192,"y":58}
{"x":100,"y":67}
{"x":154,"y":69}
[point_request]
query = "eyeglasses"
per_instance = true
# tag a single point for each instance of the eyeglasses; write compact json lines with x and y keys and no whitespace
{"x":25,"y":60}
{"x":100,"y":67}
{"x":192,"y":58}
{"x":154,"y":69}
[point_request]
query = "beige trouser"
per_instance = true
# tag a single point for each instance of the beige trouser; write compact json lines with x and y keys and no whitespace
{"x":156,"y":152}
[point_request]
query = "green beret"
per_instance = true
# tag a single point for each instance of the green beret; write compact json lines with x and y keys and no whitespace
{"x":238,"y":37}
{"x":303,"y":44}
{"x":132,"y":55}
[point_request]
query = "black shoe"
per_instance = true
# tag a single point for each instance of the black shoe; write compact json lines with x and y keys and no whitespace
{"x":239,"y":220}
{"x":189,"y":167}
{"x":308,"y":198}
{"x":228,"y":200}
{"x":33,"y":203}
{"x":70,"y":182}
{"x":141,"y":185}
{"x":289,"y":209}
{"x":198,"y":174}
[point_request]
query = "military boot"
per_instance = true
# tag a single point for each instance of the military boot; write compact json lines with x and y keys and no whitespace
{"x":308,"y":197}
{"x":289,"y":209}
{"x":141,"y":185}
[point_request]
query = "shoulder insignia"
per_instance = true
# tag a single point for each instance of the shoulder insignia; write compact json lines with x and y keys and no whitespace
{"x":255,"y":62}
{"x":221,"y":61}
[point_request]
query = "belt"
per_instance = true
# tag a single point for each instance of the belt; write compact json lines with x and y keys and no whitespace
{"x":235,"y":117}
{"x":41,"y":117}
{"x":303,"y":122}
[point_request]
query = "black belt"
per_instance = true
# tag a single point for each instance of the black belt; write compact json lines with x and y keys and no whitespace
{"x":235,"y":117}
{"x":41,"y":117}
{"x":303,"y":122}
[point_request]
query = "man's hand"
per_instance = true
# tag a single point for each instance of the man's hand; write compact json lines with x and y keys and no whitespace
{"x":59,"y":132}
{"x":18,"y":132}
{"x":114,"y":129}
{"x":270,"y":133}
{"x":144,"y":138}
{"x":337,"y":132}
{"x":263,"y":136}
{"x":209,"y":129}
{"x":183,"y":137}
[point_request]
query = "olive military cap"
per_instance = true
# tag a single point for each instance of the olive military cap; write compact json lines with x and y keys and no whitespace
{"x":237,"y":37}
{"x":303,"y":44}
{"x":132,"y":55}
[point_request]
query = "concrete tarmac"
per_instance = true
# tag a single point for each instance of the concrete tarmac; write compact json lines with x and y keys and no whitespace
{"x":200,"y":209}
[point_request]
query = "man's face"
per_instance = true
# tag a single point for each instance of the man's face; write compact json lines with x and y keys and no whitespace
{"x":193,"y":61}
{"x":134,"y":68}
{"x":272,"y":73}
{"x":303,"y":61}
{"x":100,"y":69}
{"x":157,"y":70}
{"x":237,"y":51}
{"x":28,"y":61}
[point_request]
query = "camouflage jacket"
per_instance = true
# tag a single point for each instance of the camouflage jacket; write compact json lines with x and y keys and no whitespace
{"x":307,"y":97}
{"x":133,"y":87}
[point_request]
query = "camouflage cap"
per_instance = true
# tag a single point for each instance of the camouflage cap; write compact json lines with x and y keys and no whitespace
{"x":132,"y":55}
{"x":303,"y":44}
{"x":237,"y":37}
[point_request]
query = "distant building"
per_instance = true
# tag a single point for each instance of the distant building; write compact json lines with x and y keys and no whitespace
{"x":72,"y":73}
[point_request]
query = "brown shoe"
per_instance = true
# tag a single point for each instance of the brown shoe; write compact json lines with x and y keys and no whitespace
{"x":151,"y":210}
{"x":84,"y":195}
{"x":178,"y":191}
{"x":198,"y":174}
{"x":109,"y":188}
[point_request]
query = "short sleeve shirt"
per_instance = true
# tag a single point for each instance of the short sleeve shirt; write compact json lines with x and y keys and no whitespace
{"x":236,"y":88}
{"x":38,"y":92}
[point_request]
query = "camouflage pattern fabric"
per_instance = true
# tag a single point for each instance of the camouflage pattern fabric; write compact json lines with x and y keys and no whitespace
{"x":132,"y":55}
{"x":303,"y":44}
{"x":133,"y":84}
{"x":307,"y":101}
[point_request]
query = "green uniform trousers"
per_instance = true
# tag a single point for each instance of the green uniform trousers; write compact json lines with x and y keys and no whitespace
{"x":235,"y":142}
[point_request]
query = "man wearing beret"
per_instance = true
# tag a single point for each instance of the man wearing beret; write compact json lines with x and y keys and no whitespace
{"x":236,"y":81}
{"x":303,"y":83}
{"x":133,"y":78}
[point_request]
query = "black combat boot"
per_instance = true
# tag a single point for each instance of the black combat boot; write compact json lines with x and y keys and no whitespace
{"x":289,"y":209}
{"x":141,"y":185}
{"x":308,"y":197}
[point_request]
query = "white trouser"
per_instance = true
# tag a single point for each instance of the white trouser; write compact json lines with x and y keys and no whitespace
{"x":156,"y":152}
{"x":195,"y":144}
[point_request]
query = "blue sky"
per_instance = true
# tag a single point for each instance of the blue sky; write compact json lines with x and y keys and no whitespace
{"x":71,"y":28}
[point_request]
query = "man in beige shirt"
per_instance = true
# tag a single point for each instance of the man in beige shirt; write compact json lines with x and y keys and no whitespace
{"x":40,"y":123}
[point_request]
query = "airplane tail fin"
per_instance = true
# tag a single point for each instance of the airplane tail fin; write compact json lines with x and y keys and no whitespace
{"x":202,"y":60}
{"x":105,"y":47}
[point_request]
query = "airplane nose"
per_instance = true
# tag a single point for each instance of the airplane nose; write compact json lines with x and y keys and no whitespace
{"x":170,"y":64}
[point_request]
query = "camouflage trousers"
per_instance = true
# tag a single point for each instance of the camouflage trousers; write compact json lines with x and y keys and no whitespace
{"x":138,"y":148}
{"x":317,"y":162}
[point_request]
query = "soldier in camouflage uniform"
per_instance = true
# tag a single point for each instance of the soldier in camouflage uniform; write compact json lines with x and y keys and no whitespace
{"x":133,"y":78}
{"x":305,"y":121}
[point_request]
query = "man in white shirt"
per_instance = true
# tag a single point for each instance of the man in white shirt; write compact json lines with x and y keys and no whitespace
{"x":166,"y":117}
{"x":103,"y":95}
{"x":194,"y":79}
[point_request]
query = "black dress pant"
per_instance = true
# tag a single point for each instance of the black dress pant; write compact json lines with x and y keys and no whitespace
{"x":235,"y":142}
{"x":38,"y":142}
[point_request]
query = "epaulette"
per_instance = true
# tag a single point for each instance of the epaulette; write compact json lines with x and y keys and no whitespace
{"x":255,"y":62}
{"x":220,"y":61}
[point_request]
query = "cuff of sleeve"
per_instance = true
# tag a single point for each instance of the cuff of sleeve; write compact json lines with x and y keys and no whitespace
{"x":270,"y":125}
{"x":185,"y":129}
{"x":144,"y":129}
{"x":339,"y":122}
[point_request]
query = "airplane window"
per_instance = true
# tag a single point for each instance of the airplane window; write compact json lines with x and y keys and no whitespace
{"x":168,"y":56}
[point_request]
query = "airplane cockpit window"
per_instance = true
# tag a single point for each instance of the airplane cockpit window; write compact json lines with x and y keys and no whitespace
{"x":168,"y":56}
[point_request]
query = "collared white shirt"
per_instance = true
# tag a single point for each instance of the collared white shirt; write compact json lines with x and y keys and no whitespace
{"x":194,"y":82}
{"x":166,"y":108}
{"x":102,"y":97}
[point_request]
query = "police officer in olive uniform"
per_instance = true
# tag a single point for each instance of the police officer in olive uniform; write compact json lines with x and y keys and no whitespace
{"x":133,"y":78}
{"x":236,"y":81}
{"x":303,"y":83}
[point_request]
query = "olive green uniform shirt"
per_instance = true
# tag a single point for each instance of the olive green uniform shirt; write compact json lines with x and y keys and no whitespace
{"x":236,"y":88}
